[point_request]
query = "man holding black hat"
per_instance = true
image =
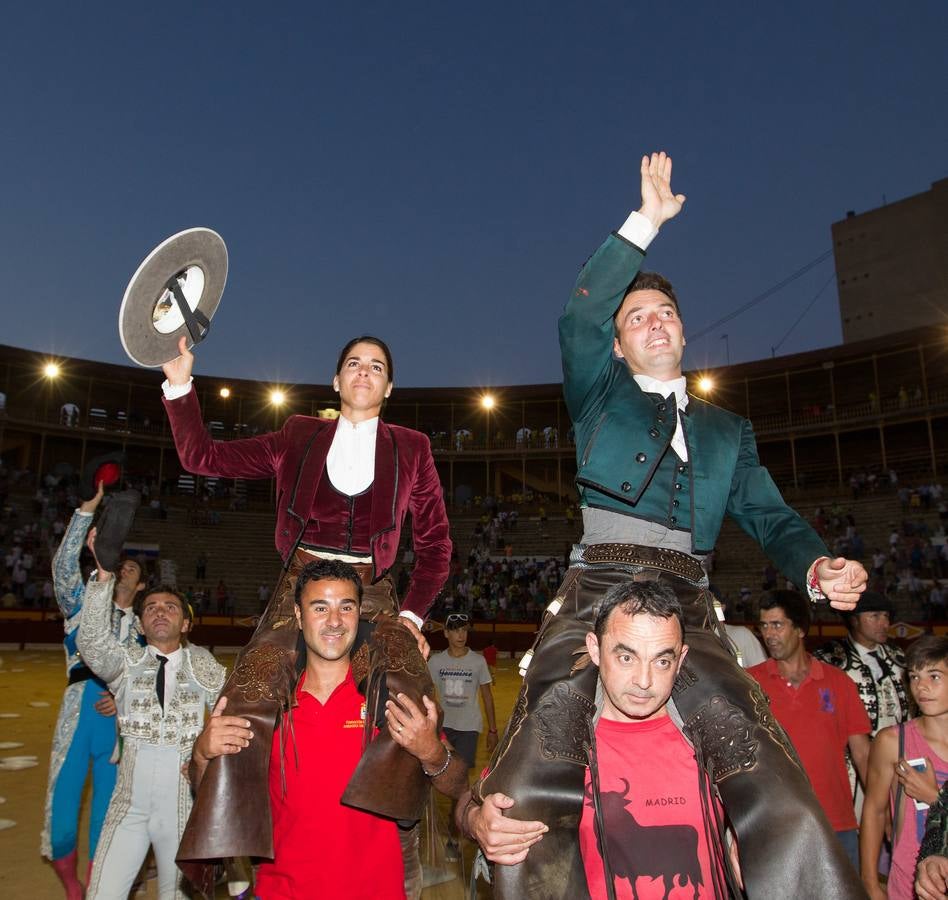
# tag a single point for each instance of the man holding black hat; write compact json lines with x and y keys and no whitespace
{"x":877,"y":668}
{"x":85,"y":733}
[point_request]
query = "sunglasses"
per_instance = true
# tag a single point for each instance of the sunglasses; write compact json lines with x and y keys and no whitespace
{"x":456,"y":620}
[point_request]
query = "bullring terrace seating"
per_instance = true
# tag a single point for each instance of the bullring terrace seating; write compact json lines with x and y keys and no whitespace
{"x":240,"y":548}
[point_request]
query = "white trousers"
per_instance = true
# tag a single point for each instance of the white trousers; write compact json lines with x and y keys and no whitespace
{"x":151,"y":819}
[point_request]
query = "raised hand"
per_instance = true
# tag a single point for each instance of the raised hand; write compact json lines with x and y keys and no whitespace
{"x":90,"y":506}
{"x":178,"y":371}
{"x":101,"y":574}
{"x":659,"y":204}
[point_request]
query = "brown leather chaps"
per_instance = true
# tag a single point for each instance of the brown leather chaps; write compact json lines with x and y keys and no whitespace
{"x":231,"y":812}
{"x":783,"y":836}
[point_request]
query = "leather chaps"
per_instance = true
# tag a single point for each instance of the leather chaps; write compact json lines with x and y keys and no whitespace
{"x":783,"y":836}
{"x":231,"y":812}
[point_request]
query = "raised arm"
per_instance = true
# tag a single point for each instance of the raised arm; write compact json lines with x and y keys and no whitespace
{"x":99,"y":647}
{"x":586,"y":330}
{"x":256,"y":457}
{"x":67,"y":577}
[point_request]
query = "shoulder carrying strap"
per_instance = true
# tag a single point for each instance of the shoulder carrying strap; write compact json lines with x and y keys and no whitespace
{"x":897,"y":815}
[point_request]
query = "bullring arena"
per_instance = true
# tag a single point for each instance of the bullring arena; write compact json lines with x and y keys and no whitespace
{"x":855,"y":436}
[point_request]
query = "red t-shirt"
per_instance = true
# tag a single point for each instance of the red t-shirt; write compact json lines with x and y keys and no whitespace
{"x":652,"y":816}
{"x":819,"y":716}
{"x":322,"y":848}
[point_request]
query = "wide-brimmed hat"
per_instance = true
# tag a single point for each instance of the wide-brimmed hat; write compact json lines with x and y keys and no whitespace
{"x":873,"y":601}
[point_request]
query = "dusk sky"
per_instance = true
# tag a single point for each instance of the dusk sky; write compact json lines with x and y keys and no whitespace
{"x":436,"y":173}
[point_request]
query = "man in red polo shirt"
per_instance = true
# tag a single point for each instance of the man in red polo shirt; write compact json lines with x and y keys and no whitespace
{"x":322,"y":848}
{"x":819,"y":708}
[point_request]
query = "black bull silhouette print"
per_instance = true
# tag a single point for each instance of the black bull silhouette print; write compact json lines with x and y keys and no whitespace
{"x":652,"y":851}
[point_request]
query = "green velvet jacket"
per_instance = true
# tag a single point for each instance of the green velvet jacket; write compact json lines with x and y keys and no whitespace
{"x":623,"y":434}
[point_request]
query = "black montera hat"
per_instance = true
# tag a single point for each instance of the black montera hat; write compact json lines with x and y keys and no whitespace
{"x":873,"y":601}
{"x":106,"y":468}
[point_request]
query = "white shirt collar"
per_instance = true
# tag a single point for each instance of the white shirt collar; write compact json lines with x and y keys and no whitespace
{"x":678,"y":386}
{"x":865,"y":652}
{"x":369,"y":426}
{"x":174,"y":658}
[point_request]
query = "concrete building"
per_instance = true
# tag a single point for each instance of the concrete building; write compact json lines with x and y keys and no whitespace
{"x":892,"y":265}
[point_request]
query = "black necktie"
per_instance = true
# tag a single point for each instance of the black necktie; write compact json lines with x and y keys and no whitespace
{"x":160,"y":680}
{"x":883,"y":664}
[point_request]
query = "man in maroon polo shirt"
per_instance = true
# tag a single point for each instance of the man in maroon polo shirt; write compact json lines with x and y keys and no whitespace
{"x":819,"y":708}
{"x":321,"y":847}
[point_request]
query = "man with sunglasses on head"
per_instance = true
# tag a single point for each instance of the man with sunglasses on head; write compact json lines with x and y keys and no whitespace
{"x":461,"y":674}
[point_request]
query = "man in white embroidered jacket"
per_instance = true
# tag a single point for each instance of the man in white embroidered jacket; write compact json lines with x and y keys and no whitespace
{"x":161,"y":691}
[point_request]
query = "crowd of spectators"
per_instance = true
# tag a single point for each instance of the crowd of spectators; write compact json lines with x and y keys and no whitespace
{"x":500,"y":590}
{"x":495,"y":584}
{"x":28,"y":537}
{"x":913,"y":561}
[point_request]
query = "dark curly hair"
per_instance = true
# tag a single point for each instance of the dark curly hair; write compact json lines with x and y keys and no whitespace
{"x":327,"y":570}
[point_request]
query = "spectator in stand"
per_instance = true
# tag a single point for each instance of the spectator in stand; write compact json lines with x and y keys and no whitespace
{"x":221,"y":595}
{"x":46,"y":595}
{"x":200,"y":567}
{"x":878,"y":563}
{"x":936,"y":603}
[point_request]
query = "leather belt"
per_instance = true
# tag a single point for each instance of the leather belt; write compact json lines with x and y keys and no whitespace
{"x":673,"y":562}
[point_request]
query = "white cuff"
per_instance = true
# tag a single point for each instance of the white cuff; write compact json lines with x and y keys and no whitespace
{"x":412,"y":618}
{"x":173,"y":391}
{"x":638,"y":230}
{"x":79,"y":512}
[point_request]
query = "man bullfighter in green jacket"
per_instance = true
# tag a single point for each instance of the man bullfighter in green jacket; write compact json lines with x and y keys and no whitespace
{"x":657,"y":471}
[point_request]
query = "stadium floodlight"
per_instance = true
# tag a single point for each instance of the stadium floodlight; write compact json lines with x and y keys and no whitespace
{"x":487,"y":401}
{"x":51,"y":370}
{"x":705,"y":385}
{"x":277,"y":398}
{"x":225,"y":392}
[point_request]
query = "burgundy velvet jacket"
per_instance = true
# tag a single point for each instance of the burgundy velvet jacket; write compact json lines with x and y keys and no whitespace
{"x":405,"y":481}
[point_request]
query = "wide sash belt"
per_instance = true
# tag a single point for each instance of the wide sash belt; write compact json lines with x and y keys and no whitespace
{"x":672,"y":562}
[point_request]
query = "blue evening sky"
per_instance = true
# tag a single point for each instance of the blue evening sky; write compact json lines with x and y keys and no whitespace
{"x":436,"y":173}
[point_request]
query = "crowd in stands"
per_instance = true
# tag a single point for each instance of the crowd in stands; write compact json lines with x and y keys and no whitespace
{"x":505,"y":590}
{"x":31,"y":532}
{"x":494,"y":583}
{"x":28,"y":537}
